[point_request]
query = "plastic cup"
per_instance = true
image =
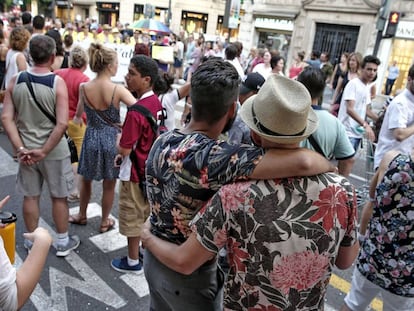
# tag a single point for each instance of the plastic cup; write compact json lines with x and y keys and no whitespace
{"x":8,"y":233}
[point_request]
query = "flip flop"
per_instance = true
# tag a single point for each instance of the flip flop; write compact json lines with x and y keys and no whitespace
{"x":78,"y":220}
{"x":110,"y":223}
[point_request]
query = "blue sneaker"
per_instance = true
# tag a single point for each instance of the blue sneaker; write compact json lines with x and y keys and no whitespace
{"x":63,"y":251}
{"x":121,"y":265}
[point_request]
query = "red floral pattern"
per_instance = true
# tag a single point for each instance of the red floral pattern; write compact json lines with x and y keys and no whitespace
{"x":281,"y":247}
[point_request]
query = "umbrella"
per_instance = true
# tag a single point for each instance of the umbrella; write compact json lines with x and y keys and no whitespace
{"x":150,"y":24}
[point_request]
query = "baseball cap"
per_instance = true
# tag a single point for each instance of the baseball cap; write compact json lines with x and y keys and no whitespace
{"x":251,"y":82}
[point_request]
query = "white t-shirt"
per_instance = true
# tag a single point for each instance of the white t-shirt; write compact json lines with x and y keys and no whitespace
{"x":264,"y":71}
{"x":236,"y":64}
{"x":359,"y":92}
{"x":168,"y":101}
{"x":8,"y":287}
{"x":399,"y":114}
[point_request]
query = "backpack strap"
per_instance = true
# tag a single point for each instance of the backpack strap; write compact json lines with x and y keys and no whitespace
{"x":315,"y":145}
{"x":147,"y":114}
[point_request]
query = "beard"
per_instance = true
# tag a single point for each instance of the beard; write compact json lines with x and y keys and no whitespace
{"x":229,"y":124}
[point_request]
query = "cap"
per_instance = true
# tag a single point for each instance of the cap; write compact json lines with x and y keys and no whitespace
{"x":251,"y":83}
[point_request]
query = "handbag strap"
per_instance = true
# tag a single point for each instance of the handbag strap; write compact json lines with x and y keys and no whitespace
{"x":99,"y":112}
{"x":26,"y":78}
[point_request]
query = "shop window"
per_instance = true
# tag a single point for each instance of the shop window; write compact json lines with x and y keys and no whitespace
{"x":402,"y":52}
{"x":138,"y":11}
{"x":194,"y":22}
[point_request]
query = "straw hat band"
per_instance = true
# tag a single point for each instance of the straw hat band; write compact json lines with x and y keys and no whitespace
{"x":267,"y":131}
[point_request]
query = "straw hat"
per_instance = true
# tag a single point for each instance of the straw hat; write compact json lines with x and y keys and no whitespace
{"x":281,"y":111}
{"x":106,"y":27}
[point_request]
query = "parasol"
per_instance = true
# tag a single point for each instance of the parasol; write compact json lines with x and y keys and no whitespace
{"x":149,"y":24}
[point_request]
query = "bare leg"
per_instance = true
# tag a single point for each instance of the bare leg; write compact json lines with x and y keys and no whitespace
{"x":133,"y":247}
{"x":60,"y":213}
{"x":85,"y":196}
{"x":31,"y":212}
{"x":108,"y":193}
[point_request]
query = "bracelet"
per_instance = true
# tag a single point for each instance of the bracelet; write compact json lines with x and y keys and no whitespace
{"x":371,"y":199}
{"x":21,"y":148}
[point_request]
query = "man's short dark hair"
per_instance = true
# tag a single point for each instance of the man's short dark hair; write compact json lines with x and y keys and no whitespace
{"x":231,"y":52}
{"x":370,"y":59}
{"x":42,"y":48}
{"x":38,"y":22}
{"x":411,"y":72}
{"x":146,"y":66}
{"x":26,"y":18}
{"x":313,"y":79}
{"x":214,"y":89}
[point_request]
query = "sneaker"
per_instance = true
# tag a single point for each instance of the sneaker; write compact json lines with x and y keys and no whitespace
{"x":28,"y":244}
{"x":121,"y":265}
{"x":63,"y":251}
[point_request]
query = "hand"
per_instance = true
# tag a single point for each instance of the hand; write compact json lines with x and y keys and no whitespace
{"x":370,"y":133}
{"x":118,"y":160}
{"x":146,"y":232}
{"x":78,"y":121}
{"x":35,"y":155}
{"x":2,"y":203}
{"x":39,"y":235}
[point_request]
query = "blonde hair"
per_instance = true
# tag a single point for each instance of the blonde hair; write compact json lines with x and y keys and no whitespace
{"x":78,"y":57}
{"x":100,"y":57}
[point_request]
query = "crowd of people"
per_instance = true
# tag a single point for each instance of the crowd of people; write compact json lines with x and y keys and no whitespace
{"x":247,"y":181}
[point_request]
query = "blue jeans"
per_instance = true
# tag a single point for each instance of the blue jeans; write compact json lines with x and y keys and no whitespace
{"x":355,"y":142}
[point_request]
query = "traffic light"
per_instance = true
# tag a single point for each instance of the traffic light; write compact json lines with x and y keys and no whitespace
{"x":392,"y":26}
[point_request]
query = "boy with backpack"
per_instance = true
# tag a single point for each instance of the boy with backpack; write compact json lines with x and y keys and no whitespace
{"x":139,"y":131}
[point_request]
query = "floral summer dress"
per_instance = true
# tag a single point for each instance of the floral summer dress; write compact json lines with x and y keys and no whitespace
{"x":99,"y":144}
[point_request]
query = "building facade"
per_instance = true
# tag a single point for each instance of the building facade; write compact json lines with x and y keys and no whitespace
{"x":288,"y":26}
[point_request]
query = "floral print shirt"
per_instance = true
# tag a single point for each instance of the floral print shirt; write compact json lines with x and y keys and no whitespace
{"x":282,"y":238}
{"x":184,"y":171}
{"x":386,"y":257}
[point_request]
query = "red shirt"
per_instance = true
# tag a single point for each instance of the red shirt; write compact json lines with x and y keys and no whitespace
{"x":73,"y":78}
{"x":137,"y":130}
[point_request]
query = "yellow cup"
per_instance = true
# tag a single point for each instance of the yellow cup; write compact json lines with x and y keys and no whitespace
{"x":8,"y":233}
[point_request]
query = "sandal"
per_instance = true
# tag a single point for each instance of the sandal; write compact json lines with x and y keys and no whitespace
{"x":109,"y":225}
{"x":78,"y":220}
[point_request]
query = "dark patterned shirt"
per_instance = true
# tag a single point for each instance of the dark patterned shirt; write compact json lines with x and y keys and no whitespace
{"x":282,"y":239}
{"x":183,"y":173}
{"x":386,"y":257}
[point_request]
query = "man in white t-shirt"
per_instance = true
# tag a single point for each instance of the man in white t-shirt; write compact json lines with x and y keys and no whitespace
{"x":398,"y":126}
{"x":355,"y":103}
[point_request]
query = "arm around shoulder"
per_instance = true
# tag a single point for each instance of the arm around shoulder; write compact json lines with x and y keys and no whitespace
{"x":281,"y":163}
{"x":184,"y":258}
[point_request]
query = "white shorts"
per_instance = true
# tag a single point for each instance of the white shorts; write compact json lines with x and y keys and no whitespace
{"x":363,"y":292}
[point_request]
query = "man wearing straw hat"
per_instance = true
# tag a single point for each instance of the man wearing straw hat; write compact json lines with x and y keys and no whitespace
{"x":283,"y":236}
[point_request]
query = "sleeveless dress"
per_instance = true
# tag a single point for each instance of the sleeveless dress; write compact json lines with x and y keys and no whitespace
{"x":99,"y":144}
